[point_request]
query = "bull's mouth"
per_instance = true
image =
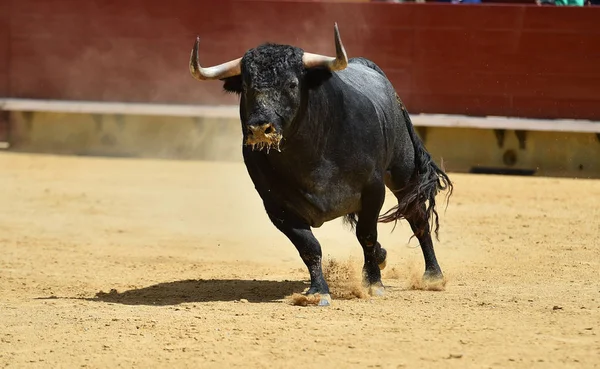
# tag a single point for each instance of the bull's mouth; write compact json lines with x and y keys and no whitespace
{"x":265,"y":141}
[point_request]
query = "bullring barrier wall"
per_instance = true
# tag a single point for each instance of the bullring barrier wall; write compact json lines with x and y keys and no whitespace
{"x":477,"y":60}
{"x":460,"y":60}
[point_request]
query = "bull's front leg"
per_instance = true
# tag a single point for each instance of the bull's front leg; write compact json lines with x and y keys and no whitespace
{"x":300,"y":234}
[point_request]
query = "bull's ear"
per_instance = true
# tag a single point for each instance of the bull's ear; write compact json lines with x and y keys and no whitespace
{"x":233,"y":84}
{"x":316,"y":76}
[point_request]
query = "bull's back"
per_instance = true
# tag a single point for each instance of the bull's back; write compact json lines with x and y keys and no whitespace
{"x":372,"y":104}
{"x":401,"y":139}
{"x":367,"y":63}
{"x":367,"y":83}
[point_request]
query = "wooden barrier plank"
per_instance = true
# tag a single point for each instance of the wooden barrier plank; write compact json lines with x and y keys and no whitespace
{"x":232,"y":111}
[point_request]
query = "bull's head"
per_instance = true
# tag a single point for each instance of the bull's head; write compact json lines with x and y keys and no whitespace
{"x":273,"y":81}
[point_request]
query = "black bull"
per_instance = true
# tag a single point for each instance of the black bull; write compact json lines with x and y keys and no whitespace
{"x":323,"y":137}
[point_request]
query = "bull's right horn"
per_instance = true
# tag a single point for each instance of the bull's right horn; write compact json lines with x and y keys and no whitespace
{"x":221,"y":71}
{"x":334,"y":64}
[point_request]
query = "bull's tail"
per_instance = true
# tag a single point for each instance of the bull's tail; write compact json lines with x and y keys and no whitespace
{"x":417,"y":199}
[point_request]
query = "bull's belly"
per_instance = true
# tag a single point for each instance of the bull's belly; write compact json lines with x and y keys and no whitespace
{"x":318,"y":207}
{"x":322,"y":195}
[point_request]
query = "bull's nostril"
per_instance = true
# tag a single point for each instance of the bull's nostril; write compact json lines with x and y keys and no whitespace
{"x":265,"y":129}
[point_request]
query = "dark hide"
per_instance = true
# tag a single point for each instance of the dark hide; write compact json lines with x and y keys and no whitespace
{"x":346,"y":136}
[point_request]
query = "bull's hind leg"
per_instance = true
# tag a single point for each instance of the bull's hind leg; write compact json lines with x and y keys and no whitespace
{"x":366,"y":232}
{"x":397,"y":180}
{"x":300,"y":234}
{"x":420,"y":227}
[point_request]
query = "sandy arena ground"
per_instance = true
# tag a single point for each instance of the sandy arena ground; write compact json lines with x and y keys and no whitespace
{"x":139,"y":263}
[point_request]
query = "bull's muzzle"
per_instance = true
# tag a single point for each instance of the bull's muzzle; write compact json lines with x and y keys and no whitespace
{"x":264,"y":136}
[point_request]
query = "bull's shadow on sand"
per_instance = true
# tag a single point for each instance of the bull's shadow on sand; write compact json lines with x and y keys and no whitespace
{"x":189,"y":291}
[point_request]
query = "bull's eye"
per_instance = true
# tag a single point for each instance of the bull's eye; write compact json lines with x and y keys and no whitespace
{"x":293,"y":85}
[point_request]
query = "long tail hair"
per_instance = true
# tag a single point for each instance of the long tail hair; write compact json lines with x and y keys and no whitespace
{"x":427,"y":180}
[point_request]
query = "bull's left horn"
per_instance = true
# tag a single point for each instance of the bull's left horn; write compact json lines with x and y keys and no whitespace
{"x":334,"y":64}
{"x":229,"y":69}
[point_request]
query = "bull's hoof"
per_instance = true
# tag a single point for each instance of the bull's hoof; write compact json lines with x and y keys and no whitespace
{"x":310,"y":299}
{"x":377,"y":289}
{"x":324,"y":299}
{"x":433,"y":281}
{"x":433,"y":275}
{"x":382,"y":265}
